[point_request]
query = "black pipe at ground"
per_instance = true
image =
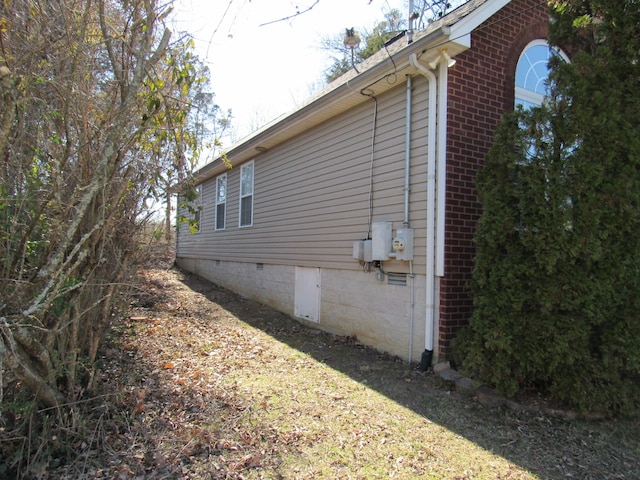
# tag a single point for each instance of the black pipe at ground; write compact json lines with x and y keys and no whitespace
{"x":425,"y":360}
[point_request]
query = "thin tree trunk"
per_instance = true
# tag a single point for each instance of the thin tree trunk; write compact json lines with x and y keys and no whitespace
{"x":167,"y":218}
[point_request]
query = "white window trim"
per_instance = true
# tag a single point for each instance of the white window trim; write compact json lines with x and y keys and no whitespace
{"x":219,"y":177}
{"x":241,"y":196}
{"x":526,"y":94}
{"x":198,"y":208}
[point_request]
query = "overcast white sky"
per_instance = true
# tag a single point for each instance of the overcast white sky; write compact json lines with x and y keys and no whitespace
{"x":261,"y":72}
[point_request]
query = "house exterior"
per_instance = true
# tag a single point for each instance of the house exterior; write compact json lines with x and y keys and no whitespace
{"x":356,"y":212}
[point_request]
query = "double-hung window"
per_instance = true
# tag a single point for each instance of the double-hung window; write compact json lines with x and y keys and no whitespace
{"x":221,"y":201}
{"x":246,"y":194}
{"x":197,"y":211}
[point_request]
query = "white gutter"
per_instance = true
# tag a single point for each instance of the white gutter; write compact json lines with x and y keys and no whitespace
{"x":441,"y":167}
{"x":341,"y":95}
{"x":431,"y":212}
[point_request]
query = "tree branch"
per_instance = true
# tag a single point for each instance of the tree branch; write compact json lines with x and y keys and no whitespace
{"x":284,"y":19}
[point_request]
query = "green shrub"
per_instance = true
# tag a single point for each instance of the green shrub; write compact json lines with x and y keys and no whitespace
{"x":556,"y":283}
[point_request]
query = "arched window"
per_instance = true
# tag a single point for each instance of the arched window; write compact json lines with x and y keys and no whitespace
{"x":532,"y":72}
{"x":531,"y":88}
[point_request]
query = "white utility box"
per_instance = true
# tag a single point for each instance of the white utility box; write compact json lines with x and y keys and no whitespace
{"x":368,"y":254}
{"x":358,"y":250}
{"x":381,"y":240}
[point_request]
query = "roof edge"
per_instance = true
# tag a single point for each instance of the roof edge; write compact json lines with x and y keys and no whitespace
{"x":452,"y":31}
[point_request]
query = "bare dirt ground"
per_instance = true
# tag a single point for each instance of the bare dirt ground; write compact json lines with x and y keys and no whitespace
{"x":201,"y":383}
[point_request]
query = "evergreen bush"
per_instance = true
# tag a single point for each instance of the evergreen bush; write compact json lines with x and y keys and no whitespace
{"x":556,"y":282}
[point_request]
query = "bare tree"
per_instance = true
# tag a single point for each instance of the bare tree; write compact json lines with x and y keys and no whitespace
{"x":428,"y":11}
{"x":197,"y":124}
{"x":350,"y":48}
{"x":84,"y":91}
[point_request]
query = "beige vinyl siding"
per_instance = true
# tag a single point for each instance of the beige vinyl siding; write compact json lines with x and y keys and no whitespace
{"x":311,"y":193}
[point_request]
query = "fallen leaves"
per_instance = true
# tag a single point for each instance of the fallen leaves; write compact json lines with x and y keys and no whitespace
{"x":199,"y":394}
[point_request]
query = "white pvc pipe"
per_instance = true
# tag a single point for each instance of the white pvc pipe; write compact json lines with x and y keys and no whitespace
{"x":441,"y":168}
{"x":431,"y":212}
{"x":407,"y":153}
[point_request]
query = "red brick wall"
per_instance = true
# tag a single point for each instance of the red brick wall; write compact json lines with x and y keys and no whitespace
{"x":480,"y":90}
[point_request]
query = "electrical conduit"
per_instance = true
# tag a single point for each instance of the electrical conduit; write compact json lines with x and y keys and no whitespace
{"x":407,"y":189}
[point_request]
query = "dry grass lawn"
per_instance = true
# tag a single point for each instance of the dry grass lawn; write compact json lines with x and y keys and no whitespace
{"x":200,"y":383}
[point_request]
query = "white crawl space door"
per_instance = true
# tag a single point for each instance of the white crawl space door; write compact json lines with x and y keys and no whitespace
{"x":307,"y":294}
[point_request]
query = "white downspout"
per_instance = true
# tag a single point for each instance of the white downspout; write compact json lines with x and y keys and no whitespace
{"x":441,"y":168}
{"x":407,"y":189}
{"x":427,"y":355}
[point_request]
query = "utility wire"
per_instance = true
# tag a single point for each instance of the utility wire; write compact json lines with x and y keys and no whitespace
{"x":235,"y":17}
{"x":284,"y":19}
{"x":364,"y":91}
{"x":218,"y":26}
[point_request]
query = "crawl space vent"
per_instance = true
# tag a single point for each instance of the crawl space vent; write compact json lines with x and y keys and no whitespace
{"x":397,"y":279}
{"x":259,"y":266}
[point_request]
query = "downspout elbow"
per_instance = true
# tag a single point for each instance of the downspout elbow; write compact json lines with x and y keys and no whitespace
{"x":415,"y":63}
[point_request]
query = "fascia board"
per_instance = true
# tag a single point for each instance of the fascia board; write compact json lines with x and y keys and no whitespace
{"x":339,"y":96}
{"x":452,"y":32}
{"x":461,"y":30}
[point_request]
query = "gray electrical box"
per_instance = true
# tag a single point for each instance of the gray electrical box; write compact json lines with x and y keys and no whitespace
{"x":368,"y":254}
{"x":402,"y":244}
{"x":358,"y":250}
{"x":381,"y":240}
{"x":362,"y":250}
